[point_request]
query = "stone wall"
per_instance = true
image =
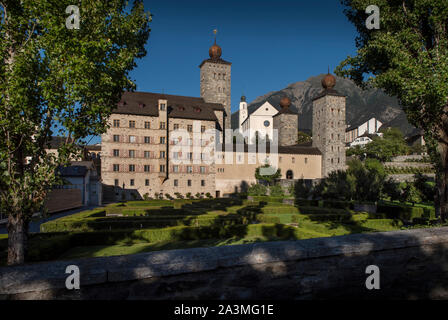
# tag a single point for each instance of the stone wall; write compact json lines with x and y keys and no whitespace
{"x":287,"y":126}
{"x":216,"y":86}
{"x":412,"y":263}
{"x":329,"y":131}
{"x":409,"y":177}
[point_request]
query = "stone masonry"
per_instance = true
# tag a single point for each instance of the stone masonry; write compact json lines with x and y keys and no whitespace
{"x":412,"y":265}
{"x":216,"y":85}
{"x":329,"y":130}
{"x":287,"y":125}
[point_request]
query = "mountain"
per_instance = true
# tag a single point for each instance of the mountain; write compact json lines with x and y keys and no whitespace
{"x":361,"y":104}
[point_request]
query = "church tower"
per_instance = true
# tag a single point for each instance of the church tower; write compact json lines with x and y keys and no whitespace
{"x":329,"y":126}
{"x":243,"y":112}
{"x":215,"y":81}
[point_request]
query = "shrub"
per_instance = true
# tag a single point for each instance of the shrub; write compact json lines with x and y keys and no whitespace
{"x":208,"y":195}
{"x":276,"y":191}
{"x":306,"y":203}
{"x":301,"y":189}
{"x":402,"y":212}
{"x":257,"y":190}
{"x":267,"y":199}
{"x":178,"y":195}
{"x":146,"y":197}
{"x":188,"y":195}
{"x":391,"y":190}
{"x":198,"y":196}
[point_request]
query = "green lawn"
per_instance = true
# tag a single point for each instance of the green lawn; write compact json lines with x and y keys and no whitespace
{"x":166,"y":225}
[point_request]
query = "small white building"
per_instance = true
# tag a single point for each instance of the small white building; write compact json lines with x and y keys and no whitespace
{"x":370,"y":126}
{"x":361,"y":141}
{"x":260,"y":121}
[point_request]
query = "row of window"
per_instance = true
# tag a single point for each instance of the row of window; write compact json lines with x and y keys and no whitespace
{"x":133,"y":139}
{"x":162,"y":140}
{"x":332,"y":160}
{"x":162,"y":155}
{"x":162,"y":125}
{"x":219,"y":76}
{"x":147,"y":183}
{"x":162,"y":168}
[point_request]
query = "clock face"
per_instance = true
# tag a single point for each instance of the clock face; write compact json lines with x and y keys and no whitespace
{"x":266,"y":123}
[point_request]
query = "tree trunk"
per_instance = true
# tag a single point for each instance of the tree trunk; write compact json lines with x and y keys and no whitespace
{"x":17,"y":238}
{"x":441,"y":198}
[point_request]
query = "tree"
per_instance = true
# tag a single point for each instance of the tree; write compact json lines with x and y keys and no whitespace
{"x":302,"y":137}
{"x":411,"y":194}
{"x":340,"y":185}
{"x":408,"y":58}
{"x":276,"y":191}
{"x":391,"y":144}
{"x":391,"y":189}
{"x":301,"y":189}
{"x":257,"y":190}
{"x":269,"y":179}
{"x":369,"y":177}
{"x":424,"y":186}
{"x":57,"y":80}
{"x":355,"y":151}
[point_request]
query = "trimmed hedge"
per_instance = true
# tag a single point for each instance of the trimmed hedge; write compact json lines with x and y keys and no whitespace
{"x":402,"y":212}
{"x":268,"y":199}
{"x":122,"y":223}
{"x":49,"y":246}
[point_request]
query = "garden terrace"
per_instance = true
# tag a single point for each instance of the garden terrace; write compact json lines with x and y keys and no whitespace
{"x":141,"y":226}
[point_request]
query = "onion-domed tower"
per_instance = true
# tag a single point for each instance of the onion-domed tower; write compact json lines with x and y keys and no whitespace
{"x":216,"y":81}
{"x":329,"y":126}
{"x":287,"y":123}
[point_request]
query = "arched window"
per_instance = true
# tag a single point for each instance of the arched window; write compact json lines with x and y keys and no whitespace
{"x":289,"y":175}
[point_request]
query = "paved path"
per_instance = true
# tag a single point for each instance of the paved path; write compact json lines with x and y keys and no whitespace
{"x":35,"y":225}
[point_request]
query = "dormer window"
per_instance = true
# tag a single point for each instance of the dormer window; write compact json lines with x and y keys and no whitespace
{"x":197,"y":109}
{"x":181,"y":108}
{"x":141,"y":105}
{"x":162,"y":107}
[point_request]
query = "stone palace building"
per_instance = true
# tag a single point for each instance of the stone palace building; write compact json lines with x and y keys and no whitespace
{"x":168,"y":144}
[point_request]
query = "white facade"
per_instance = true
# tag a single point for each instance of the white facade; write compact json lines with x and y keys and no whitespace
{"x":261,"y":121}
{"x":243,"y":112}
{"x":371,"y":126}
{"x":360,"y":141}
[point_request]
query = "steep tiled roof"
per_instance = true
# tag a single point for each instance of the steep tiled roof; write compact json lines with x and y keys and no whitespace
{"x":73,"y":171}
{"x":146,"y":104}
{"x":328,"y":92}
{"x":219,"y":61}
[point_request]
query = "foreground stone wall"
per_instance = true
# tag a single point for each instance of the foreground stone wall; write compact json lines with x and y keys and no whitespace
{"x":413,"y":265}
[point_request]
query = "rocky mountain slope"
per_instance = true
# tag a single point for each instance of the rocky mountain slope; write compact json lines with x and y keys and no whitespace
{"x":361,"y":105}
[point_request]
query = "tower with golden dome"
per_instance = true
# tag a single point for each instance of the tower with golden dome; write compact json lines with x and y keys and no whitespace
{"x":215,"y":79}
{"x":286,"y":122}
{"x":329,"y":126}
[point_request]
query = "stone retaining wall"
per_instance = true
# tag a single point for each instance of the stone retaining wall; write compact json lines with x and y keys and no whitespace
{"x":413,"y":264}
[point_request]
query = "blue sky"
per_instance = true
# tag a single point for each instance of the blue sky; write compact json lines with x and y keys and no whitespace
{"x":271,"y":44}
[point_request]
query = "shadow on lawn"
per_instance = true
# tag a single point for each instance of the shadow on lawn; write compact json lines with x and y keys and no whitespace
{"x":415,"y":272}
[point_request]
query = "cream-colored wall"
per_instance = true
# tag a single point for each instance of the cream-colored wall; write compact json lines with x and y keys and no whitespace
{"x":234,"y":175}
{"x":157,"y":182}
